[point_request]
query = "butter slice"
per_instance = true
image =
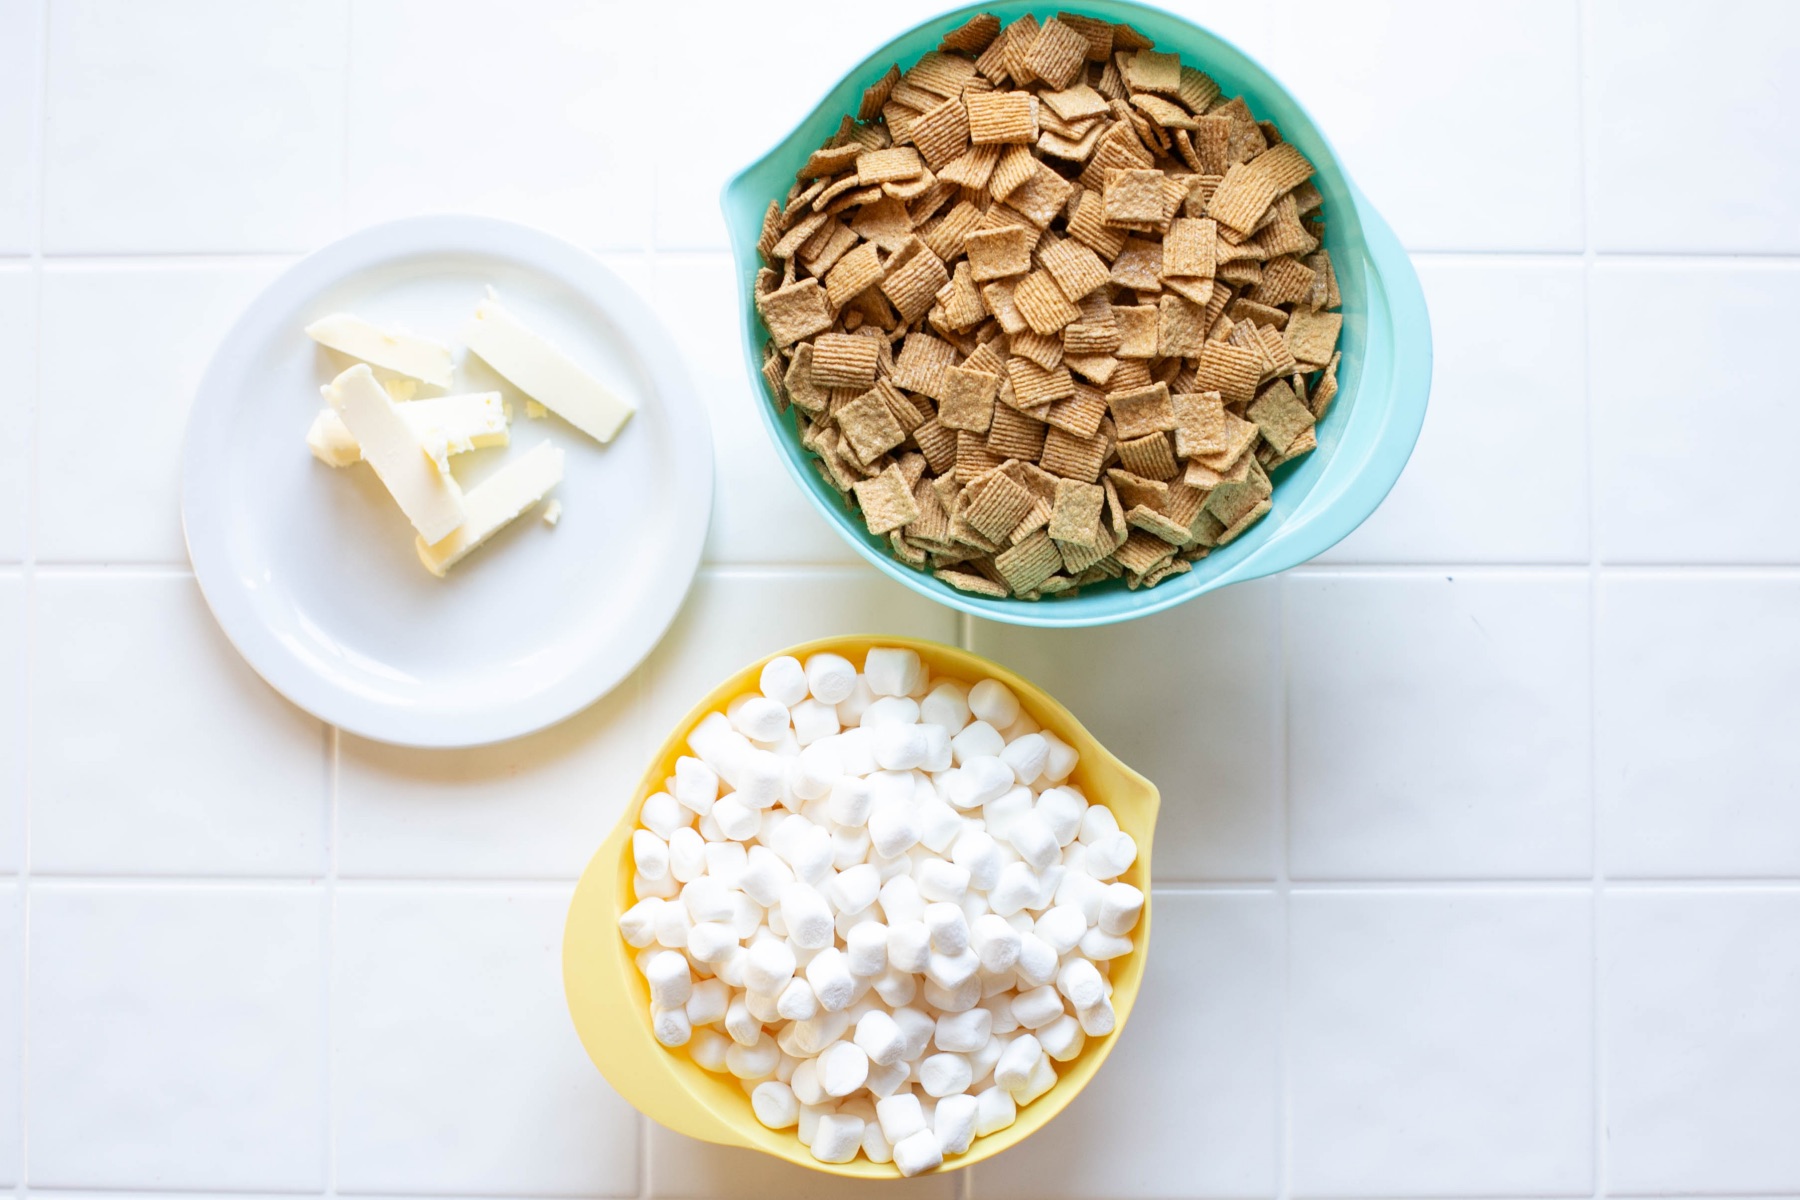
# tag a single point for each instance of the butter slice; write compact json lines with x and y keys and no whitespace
{"x":494,"y":503}
{"x":429,"y":498}
{"x":445,"y":425}
{"x":546,"y":374}
{"x":422,"y":358}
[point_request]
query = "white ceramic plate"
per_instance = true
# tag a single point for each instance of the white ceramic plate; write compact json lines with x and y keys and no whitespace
{"x":311,"y":570}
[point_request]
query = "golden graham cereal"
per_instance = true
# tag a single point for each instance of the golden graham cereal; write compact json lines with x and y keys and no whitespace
{"x":1050,"y":308}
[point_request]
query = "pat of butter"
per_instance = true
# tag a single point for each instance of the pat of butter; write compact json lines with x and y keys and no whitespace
{"x":545,"y":373}
{"x":420,"y":357}
{"x":429,"y":498}
{"x":445,"y":425}
{"x":494,"y":503}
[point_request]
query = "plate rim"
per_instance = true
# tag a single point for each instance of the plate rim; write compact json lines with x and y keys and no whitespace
{"x":371,"y":247}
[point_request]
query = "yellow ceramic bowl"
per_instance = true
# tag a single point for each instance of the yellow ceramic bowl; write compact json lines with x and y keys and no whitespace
{"x":610,"y":1000}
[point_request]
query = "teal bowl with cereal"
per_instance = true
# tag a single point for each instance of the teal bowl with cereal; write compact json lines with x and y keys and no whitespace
{"x":1363,"y":438}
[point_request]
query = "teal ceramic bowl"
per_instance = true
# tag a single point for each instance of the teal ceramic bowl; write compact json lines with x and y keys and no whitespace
{"x":1384,"y":379}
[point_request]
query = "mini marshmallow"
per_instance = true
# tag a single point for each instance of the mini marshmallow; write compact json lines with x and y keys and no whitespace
{"x":918,"y":1153}
{"x":830,"y":677}
{"x":1062,"y":926}
{"x":707,"y":1048}
{"x":1111,"y":856}
{"x":837,"y":1138}
{"x":938,"y":823}
{"x":893,"y":672}
{"x":814,"y":771}
{"x":762,"y":782}
{"x":808,"y":1124}
{"x":711,"y":941}
{"x":661,"y":889}
{"x":1060,"y":758}
{"x":979,"y":780}
{"x":775,"y":1105}
{"x":670,"y":1026}
{"x":951,"y":971}
{"x":1026,"y":756}
{"x":880,"y":1038}
{"x":843,"y":1068}
{"x":759,"y":718}
{"x":1017,"y":1061}
{"x":1016,"y":888}
{"x":853,"y":890}
{"x":696,"y":784}
{"x":976,"y":852}
{"x":953,"y":999}
{"x":875,"y":1146}
{"x":900,"y":1116}
{"x":1097,"y":821}
{"x":995,"y":1110}
{"x":901,"y":900}
{"x":995,"y":942}
{"x":896,"y":987}
{"x":770,"y":966}
{"x":743,"y":1026}
{"x":736,"y":820}
{"x":783,"y":680}
{"x":965,"y":1032}
{"x":908,"y":945}
{"x":942,"y":881}
{"x":946,"y":705}
{"x":661,"y":814}
{"x":765,"y":876}
{"x":829,"y":975}
{"x":851,"y":801}
{"x":638,"y":923}
{"x":945,"y":1074}
{"x":853,"y":708}
{"x":993,"y":702}
{"x":1021,"y":726}
{"x":725,"y":862}
{"x":707,"y":899}
{"x":1101,"y":946}
{"x":730,"y":969}
{"x":813,"y":720}
{"x":755,"y":1061}
{"x":1034,"y":841}
{"x":865,"y":949}
{"x":890,"y":710}
{"x":670,"y":981}
{"x":918,"y":1028}
{"x":1041,"y":1080}
{"x":1083,"y":892}
{"x":687,"y":855}
{"x":1001,"y":812}
{"x":885,"y":1081}
{"x":809,"y":854}
{"x":849,"y":847}
{"x":977,"y":739}
{"x":1120,"y":906}
{"x":900,"y":747}
{"x":1097,"y":1020}
{"x":805,"y":1082}
{"x":892,"y":829}
{"x":938,"y":754}
{"x":954,"y":1123}
{"x":948,"y":927}
{"x":807,"y":915}
{"x":1060,"y":808}
{"x":1081,"y":984}
{"x":766,"y":1009}
{"x":1004,"y":1021}
{"x":797,"y":1001}
{"x":672,"y":925}
{"x":1063,"y":1038}
{"x":1037,"y":1008}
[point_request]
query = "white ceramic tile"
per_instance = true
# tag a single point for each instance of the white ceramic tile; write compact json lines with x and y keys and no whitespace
{"x":1188,"y":1104}
{"x":1462,"y":123}
{"x":18,"y":350}
{"x":1190,"y":698}
{"x":531,"y":111}
{"x":1664,"y":398}
{"x":177,"y":1037}
{"x":157,"y":750}
{"x":1747,"y":52}
{"x":534,"y":807}
{"x":455,"y":1066}
{"x":1697,"y":762}
{"x":1441,"y":1043}
{"x":1437,"y":726}
{"x":683,"y":1168}
{"x":123,"y":349}
{"x":735,"y":616}
{"x":14,"y":642}
{"x":1698,"y":994}
{"x":1500,"y":471}
{"x":12,"y":1031}
{"x":194,"y":125}
{"x":21,"y":83}
{"x":759,"y":513}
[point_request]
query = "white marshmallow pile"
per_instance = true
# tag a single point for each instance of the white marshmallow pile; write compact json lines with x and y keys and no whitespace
{"x":874,"y":899}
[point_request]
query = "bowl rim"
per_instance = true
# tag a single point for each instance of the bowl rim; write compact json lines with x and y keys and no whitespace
{"x":603,"y":989}
{"x":1391,"y":272}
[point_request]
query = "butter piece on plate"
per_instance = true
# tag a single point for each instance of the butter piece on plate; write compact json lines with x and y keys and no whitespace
{"x":546,"y":374}
{"x":422,"y":358}
{"x":429,"y":498}
{"x":494,"y":502}
{"x":445,"y":425}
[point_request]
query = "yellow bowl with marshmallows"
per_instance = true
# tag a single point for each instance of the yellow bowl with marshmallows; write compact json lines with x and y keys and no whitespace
{"x":610,"y":1000}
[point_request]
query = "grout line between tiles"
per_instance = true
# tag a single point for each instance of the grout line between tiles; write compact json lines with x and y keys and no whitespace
{"x":1283,"y":884}
{"x":333,"y":771}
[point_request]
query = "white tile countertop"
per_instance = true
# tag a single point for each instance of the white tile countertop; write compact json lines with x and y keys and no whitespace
{"x":1479,"y":872}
